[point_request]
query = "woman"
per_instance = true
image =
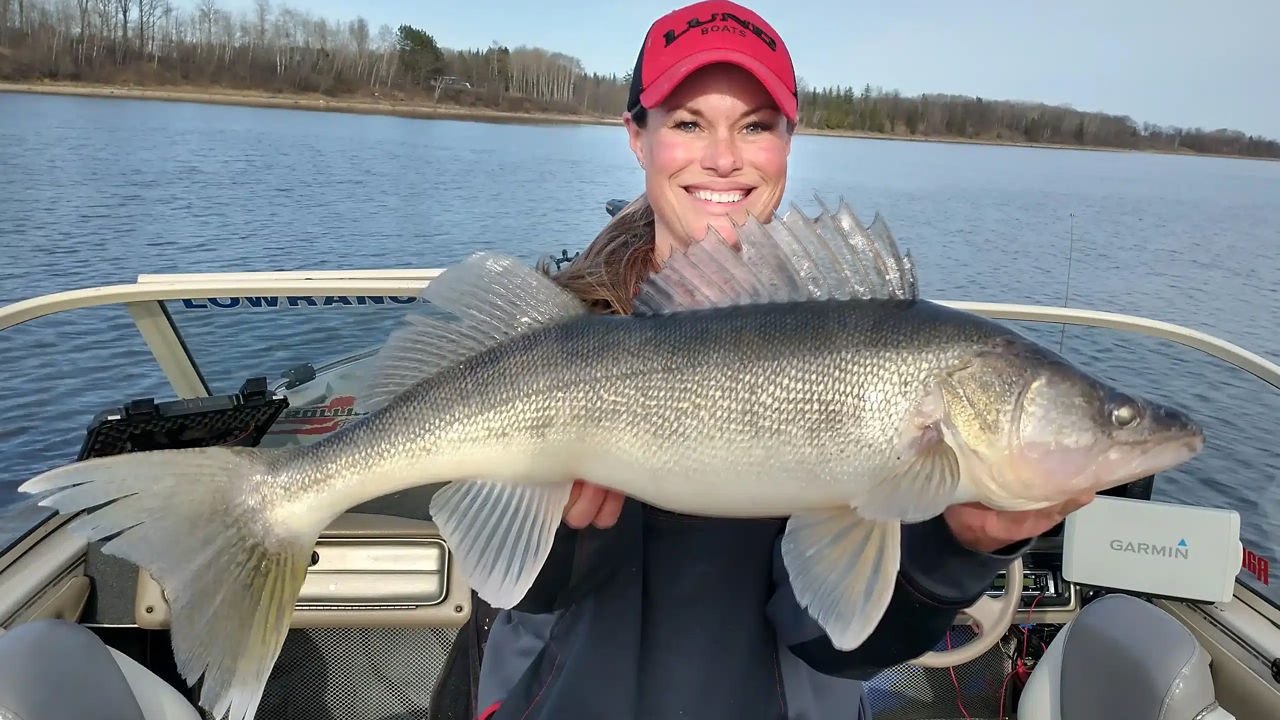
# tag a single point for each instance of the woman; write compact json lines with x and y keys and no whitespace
{"x":643,"y":613}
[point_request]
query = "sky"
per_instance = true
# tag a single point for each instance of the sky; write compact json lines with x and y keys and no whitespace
{"x":1170,"y":62}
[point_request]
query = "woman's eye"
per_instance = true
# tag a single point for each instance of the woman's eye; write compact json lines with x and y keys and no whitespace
{"x":759,"y":127}
{"x":687,"y":125}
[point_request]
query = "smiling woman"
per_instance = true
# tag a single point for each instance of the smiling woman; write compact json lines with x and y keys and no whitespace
{"x":714,"y":151}
{"x":710,"y":118}
{"x":643,"y":613}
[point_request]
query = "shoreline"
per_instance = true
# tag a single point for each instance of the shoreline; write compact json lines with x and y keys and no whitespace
{"x":430,"y":111}
{"x":299,"y":101}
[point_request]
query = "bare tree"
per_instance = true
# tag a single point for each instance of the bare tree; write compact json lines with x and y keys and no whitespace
{"x":147,"y":11}
{"x":122,"y":6}
{"x":359,"y":31}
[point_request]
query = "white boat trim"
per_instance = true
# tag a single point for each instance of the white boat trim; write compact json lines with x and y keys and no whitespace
{"x":26,"y":310}
{"x":1248,"y":361}
{"x":185,"y":379}
{"x":157,"y":328}
{"x":423,"y":274}
{"x":1254,"y":630}
{"x":61,"y":553}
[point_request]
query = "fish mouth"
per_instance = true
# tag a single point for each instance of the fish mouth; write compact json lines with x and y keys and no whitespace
{"x":1062,"y":473}
{"x":1164,"y":455}
{"x":1136,"y":462}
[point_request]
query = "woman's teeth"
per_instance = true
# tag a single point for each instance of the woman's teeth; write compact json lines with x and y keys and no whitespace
{"x":718,"y":197}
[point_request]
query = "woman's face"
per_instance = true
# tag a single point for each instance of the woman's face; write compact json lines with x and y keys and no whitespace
{"x":714,"y":151}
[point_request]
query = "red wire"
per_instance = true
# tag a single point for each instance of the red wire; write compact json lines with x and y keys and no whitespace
{"x":1020,"y":665}
{"x":1025,"y":629}
{"x":956,"y":682}
{"x":1004,"y":685}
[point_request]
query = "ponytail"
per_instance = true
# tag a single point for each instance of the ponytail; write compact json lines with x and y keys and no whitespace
{"x":607,"y":273}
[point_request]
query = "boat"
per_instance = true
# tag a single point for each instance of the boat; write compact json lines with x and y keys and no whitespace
{"x":386,"y":627}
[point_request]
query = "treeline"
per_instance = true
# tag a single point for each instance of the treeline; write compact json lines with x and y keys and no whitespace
{"x":876,"y":111}
{"x":281,"y":49}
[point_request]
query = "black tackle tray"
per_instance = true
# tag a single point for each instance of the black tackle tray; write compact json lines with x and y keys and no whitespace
{"x":238,"y":419}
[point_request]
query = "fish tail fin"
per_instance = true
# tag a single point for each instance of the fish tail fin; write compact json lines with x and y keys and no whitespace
{"x":230,"y":573}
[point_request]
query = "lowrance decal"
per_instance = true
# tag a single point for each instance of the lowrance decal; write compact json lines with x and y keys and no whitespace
{"x":295,"y":301}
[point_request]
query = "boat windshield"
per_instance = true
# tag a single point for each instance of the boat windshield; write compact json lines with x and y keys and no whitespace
{"x":312,"y":337}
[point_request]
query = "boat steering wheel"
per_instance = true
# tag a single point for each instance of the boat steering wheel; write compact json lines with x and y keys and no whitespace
{"x":992,"y":616}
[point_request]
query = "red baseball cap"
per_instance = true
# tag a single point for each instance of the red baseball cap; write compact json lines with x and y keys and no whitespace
{"x":703,"y":33}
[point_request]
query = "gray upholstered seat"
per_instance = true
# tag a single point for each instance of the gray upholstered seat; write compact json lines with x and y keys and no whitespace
{"x":1122,"y":658}
{"x":54,"y":670}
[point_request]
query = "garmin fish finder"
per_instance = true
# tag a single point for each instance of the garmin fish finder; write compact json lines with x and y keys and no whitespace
{"x":1157,"y":549}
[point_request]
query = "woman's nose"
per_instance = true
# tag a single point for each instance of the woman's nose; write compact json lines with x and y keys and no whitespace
{"x":722,"y":155}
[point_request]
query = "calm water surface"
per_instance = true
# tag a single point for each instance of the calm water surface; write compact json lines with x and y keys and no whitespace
{"x":96,"y":191}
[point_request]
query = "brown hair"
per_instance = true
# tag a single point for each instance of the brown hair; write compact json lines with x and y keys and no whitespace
{"x":608,"y":272}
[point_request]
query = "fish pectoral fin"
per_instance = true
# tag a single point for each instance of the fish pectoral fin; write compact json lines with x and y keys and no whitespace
{"x":500,"y":533}
{"x":843,"y":568}
{"x":920,"y":485}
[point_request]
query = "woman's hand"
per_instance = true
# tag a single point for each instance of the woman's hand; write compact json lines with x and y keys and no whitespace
{"x":982,"y":529}
{"x":974,"y":525}
{"x":592,"y":505}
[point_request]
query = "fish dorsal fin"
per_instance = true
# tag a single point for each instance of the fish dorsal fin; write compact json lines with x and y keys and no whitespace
{"x":469,"y":307}
{"x":789,"y":259}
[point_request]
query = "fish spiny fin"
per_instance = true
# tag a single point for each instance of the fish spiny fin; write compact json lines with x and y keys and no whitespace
{"x":843,"y":568}
{"x":468,"y":308}
{"x":230,"y":573}
{"x":500,"y":533}
{"x":789,"y":259}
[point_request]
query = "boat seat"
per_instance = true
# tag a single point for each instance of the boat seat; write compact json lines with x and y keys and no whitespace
{"x":1122,"y":658}
{"x":55,"y":669}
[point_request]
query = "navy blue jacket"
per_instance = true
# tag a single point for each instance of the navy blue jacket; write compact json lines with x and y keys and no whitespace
{"x":674,"y":616}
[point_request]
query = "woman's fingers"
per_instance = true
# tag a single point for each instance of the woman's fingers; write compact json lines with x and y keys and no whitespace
{"x":592,"y":505}
{"x":610,"y":509}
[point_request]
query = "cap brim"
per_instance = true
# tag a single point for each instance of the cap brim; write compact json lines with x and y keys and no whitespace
{"x":660,"y":88}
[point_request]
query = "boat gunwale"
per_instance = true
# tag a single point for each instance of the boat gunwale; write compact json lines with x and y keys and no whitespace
{"x":186,"y":286}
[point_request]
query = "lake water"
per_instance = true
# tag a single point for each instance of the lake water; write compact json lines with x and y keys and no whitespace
{"x":96,"y":191}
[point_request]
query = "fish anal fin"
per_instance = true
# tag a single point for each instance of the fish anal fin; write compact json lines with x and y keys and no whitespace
{"x":843,"y":568}
{"x":500,"y":533}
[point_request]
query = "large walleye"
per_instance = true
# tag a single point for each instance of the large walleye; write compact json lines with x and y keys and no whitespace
{"x":798,"y":376}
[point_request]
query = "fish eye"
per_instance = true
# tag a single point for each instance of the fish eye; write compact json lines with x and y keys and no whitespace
{"x":1124,"y":415}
